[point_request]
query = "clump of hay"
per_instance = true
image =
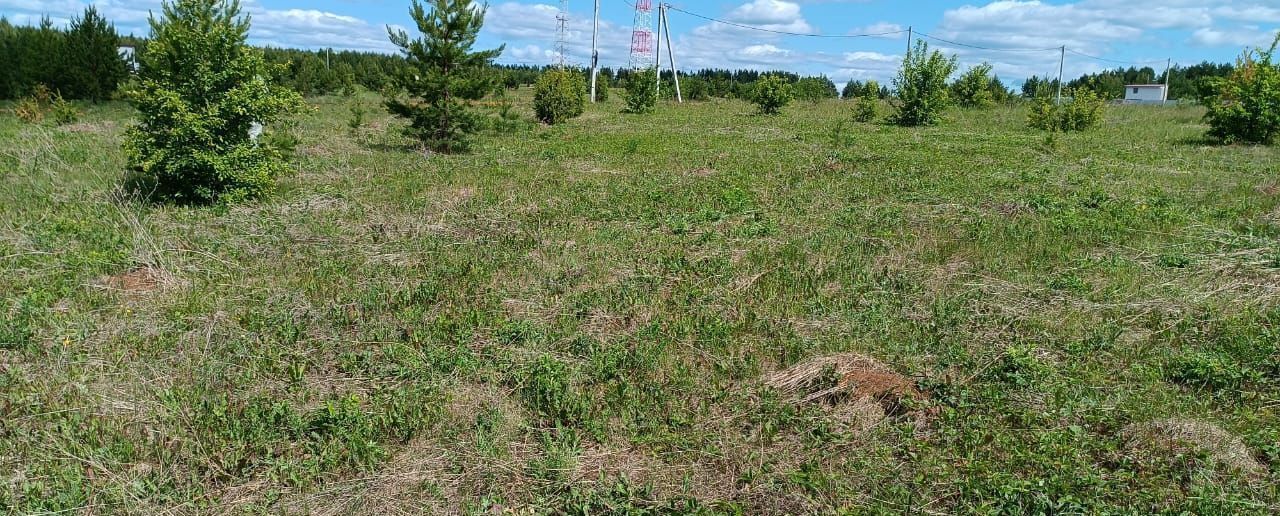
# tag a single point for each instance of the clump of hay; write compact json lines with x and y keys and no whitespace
{"x":141,"y":280}
{"x":1171,"y":438}
{"x":853,"y":388}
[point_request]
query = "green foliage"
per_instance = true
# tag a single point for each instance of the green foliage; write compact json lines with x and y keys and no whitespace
{"x":94,"y":67}
{"x":402,"y":330}
{"x":81,"y":62}
{"x":347,"y":77}
{"x":443,"y":73}
{"x":1245,"y":107}
{"x":602,"y":89}
{"x":867,"y":110}
{"x":642,"y":91}
{"x":1210,"y":370}
{"x":356,"y":121}
{"x":200,"y":89}
{"x":64,"y":112}
{"x":509,"y":120}
{"x":857,"y":89}
{"x":546,"y":386}
{"x":695,"y":88}
{"x":559,"y":95}
{"x":772,"y":93}
{"x":922,"y":86}
{"x":1080,"y":110}
{"x":973,"y":88}
{"x":34,"y":107}
{"x":814,"y":89}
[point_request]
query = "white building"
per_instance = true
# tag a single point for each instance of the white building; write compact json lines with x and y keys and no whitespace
{"x":1145,"y":94}
{"x":129,"y":56}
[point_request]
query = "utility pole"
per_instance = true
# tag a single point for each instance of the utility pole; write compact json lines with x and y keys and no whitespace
{"x":595,"y":54}
{"x":1062,"y":63}
{"x":911,"y":34}
{"x":657,"y":55}
{"x":671,"y":55}
{"x":1168,"y":70}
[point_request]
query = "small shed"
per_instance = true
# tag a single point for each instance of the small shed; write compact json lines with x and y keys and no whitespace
{"x":1145,"y":94}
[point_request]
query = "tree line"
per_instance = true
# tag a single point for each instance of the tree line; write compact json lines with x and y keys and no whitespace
{"x":81,"y":61}
{"x":1192,"y":82}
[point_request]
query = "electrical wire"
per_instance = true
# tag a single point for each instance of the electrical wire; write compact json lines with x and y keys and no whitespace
{"x":1081,"y":54}
{"x":783,"y":32}
{"x":957,"y":43}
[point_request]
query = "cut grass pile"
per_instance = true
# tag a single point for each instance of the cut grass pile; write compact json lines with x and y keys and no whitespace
{"x":700,"y":309}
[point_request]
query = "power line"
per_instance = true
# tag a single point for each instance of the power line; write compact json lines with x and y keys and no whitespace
{"x":967,"y":45}
{"x":1081,"y":54}
{"x":783,"y":32}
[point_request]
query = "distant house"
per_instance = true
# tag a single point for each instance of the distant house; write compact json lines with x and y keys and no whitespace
{"x":1145,"y":94}
{"x":129,"y":56}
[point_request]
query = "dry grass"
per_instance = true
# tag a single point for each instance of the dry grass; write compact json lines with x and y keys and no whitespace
{"x":1170,"y":439}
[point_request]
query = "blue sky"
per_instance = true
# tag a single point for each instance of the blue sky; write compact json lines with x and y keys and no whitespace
{"x":1137,"y":31}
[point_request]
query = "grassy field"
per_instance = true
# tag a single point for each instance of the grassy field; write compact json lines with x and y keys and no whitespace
{"x":697,"y":310}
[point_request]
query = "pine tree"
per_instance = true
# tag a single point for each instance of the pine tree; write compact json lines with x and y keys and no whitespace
{"x":40,"y":62}
{"x":200,"y":90}
{"x":8,"y":59}
{"x":94,"y":66}
{"x":442,"y":74}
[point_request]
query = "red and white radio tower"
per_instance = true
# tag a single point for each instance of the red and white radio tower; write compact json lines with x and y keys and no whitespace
{"x":642,"y":36}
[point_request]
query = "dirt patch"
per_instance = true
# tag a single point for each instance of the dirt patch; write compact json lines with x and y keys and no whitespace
{"x":142,"y":280}
{"x":1013,"y":209}
{"x":854,"y":389}
{"x":1269,"y":189}
{"x":1170,"y":439}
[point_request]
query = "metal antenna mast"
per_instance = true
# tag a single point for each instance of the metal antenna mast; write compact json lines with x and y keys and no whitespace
{"x":642,"y":54}
{"x":562,"y":34}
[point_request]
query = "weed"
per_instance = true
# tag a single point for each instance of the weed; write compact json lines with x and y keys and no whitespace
{"x":1210,"y":371}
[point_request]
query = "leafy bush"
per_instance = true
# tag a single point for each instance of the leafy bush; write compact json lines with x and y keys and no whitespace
{"x":771,"y":94}
{"x":602,"y":89}
{"x":559,"y":95}
{"x":866,"y":110}
{"x":922,"y":86}
{"x":64,"y":112}
{"x":642,"y":91}
{"x":814,"y":89}
{"x":973,"y":88}
{"x":442,"y":73}
{"x":200,"y":89}
{"x":695,"y":88}
{"x":1080,"y":109}
{"x":33,"y":108}
{"x":1245,"y":107}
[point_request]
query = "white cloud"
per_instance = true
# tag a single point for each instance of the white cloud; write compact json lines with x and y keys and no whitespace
{"x":1251,"y":36}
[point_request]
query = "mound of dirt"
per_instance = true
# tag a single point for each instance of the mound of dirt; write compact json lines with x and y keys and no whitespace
{"x":854,"y":388}
{"x":1175,"y":437}
{"x":141,"y":280}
